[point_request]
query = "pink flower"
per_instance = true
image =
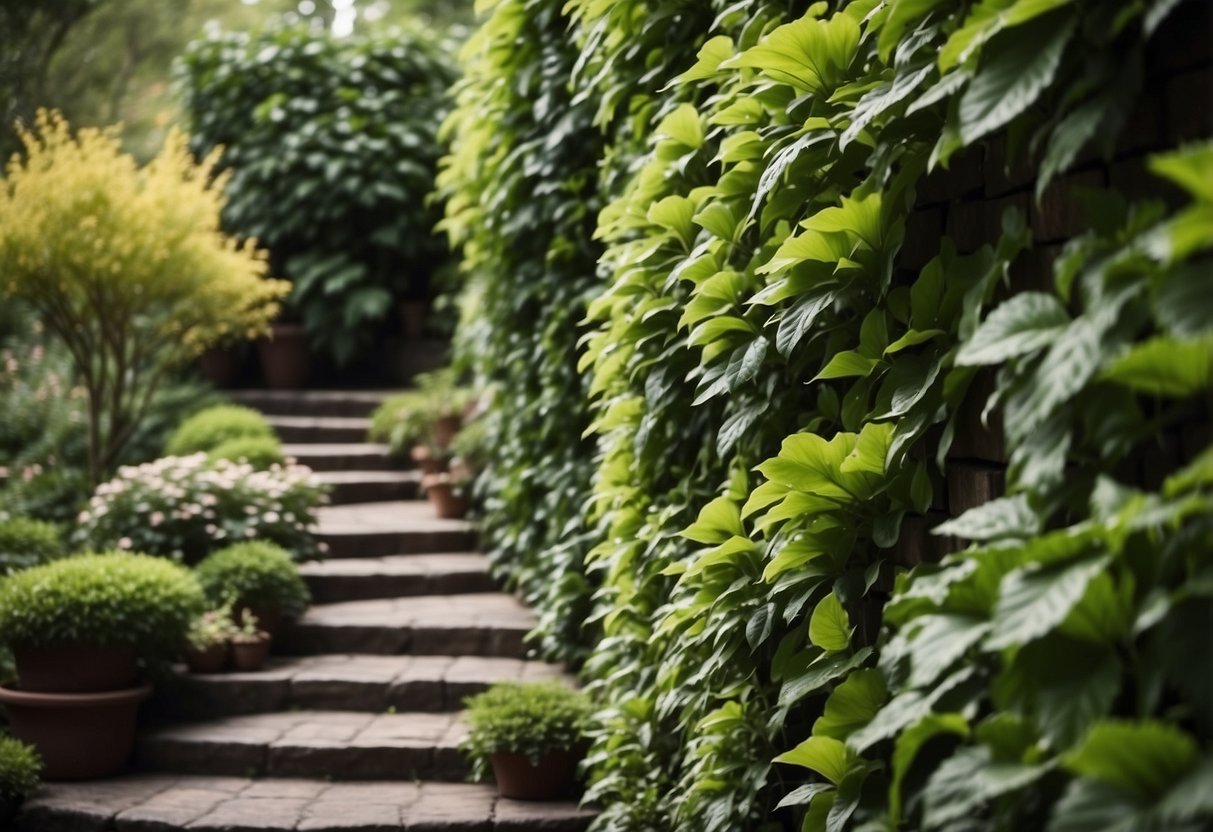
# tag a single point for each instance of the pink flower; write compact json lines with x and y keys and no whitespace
{"x":125,"y":543}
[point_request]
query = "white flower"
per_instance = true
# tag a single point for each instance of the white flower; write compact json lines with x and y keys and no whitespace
{"x":125,"y":543}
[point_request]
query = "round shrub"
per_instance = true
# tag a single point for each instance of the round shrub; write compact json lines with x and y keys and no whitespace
{"x":210,"y":428}
{"x":261,"y":452}
{"x":19,"y":769}
{"x":25,"y":542}
{"x":187,"y":507}
{"x":109,"y":600}
{"x":524,"y":718}
{"x":255,"y":574}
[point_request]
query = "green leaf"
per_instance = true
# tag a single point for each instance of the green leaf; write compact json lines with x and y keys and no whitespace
{"x":966,"y":781}
{"x":1164,"y":366}
{"x":1191,"y":168}
{"x":676,"y":214}
{"x":821,"y":672}
{"x":711,"y":54}
{"x":1023,"y":324}
{"x":1004,"y":518}
{"x":824,"y":755}
{"x":1035,"y":601}
{"x":871,"y":449}
{"x":938,"y":642}
{"x":809,"y":54}
{"x":718,"y":521}
{"x":1019,"y":67}
{"x":829,"y":626}
{"x":683,"y":126}
{"x":847,"y":364}
{"x":1144,"y":758}
{"x":718,"y":219}
{"x":851,"y":705}
{"x":908,"y":744}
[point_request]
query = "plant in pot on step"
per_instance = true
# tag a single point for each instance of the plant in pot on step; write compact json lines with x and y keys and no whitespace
{"x":19,"y":770}
{"x":207,"y":644}
{"x":530,"y":734}
{"x":423,"y":422}
{"x":77,"y":627}
{"x":258,"y":579}
{"x":250,"y":645}
{"x":449,"y":493}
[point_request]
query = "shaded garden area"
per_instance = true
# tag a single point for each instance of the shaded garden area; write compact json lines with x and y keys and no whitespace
{"x":829,"y":384}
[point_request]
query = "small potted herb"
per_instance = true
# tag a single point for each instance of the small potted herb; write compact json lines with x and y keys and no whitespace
{"x":531,"y":734}
{"x":207,"y":643}
{"x":260,"y":579}
{"x":19,"y":770}
{"x":250,"y":645}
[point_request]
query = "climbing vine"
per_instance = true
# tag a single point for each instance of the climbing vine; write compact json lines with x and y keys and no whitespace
{"x":788,"y":358}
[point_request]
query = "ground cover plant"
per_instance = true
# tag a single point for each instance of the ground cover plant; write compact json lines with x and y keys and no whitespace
{"x":339,"y":133}
{"x":25,"y":542}
{"x":848,"y":272}
{"x":186,"y":507}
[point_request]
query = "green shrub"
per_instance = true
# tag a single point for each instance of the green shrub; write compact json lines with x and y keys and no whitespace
{"x":261,"y":452}
{"x":524,"y":718}
{"x":408,"y":419}
{"x":208,"y":429}
{"x":20,"y":767}
{"x":471,"y":446}
{"x":338,"y":133}
{"x":186,"y":507}
{"x":254,"y":574}
{"x":25,"y":543}
{"x":108,"y":600}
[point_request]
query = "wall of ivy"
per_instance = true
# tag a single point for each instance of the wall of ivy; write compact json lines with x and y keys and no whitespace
{"x":897,"y":363}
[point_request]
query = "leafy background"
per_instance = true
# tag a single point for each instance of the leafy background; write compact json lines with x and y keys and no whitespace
{"x":876,"y":283}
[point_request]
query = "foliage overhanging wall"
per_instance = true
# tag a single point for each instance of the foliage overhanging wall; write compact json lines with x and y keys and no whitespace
{"x":815,"y":344}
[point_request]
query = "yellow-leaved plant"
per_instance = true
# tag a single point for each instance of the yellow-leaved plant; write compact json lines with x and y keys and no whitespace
{"x":127,"y":265}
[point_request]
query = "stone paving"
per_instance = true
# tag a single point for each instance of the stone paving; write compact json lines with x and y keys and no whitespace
{"x":405,"y":626}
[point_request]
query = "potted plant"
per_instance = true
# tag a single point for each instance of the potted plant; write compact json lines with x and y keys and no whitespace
{"x":250,"y":645}
{"x":207,"y":643}
{"x":259,"y":579}
{"x":448,"y":493}
{"x":530,"y":734}
{"x":19,"y":770}
{"x":285,"y":358}
{"x":76,"y":627}
{"x":423,"y":422}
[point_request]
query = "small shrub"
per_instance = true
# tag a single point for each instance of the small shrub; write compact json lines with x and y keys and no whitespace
{"x":255,"y":574}
{"x":19,"y":769}
{"x":187,"y":507}
{"x":25,"y":542}
{"x":108,"y":600}
{"x":210,"y":428}
{"x":524,"y":718}
{"x":211,"y":628}
{"x":261,"y":452}
{"x":408,"y":418}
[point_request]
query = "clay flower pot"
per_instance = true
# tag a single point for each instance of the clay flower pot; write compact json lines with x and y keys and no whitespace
{"x":74,"y":669}
{"x":80,"y":736}
{"x":212,"y":659}
{"x":520,"y":779}
{"x":440,"y":491}
{"x":220,"y":366}
{"x":427,"y":462}
{"x":250,"y":655}
{"x":285,"y":362}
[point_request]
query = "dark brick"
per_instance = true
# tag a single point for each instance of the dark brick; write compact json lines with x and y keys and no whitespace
{"x":971,"y":485}
{"x":1131,"y":177}
{"x":924,"y":230}
{"x":1059,"y":214}
{"x":964,"y":175}
{"x":1184,"y":40}
{"x":974,"y":224}
{"x":974,"y":439}
{"x":1003,"y":174}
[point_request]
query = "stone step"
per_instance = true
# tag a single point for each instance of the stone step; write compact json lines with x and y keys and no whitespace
{"x":343,"y":745}
{"x":346,"y":682}
{"x":348,"y":403}
{"x":370,"y":486}
{"x":320,"y":429}
{"x":473,"y":624}
{"x":401,"y":527}
{"x":342,"y":456}
{"x":360,"y":579}
{"x":161,"y":803}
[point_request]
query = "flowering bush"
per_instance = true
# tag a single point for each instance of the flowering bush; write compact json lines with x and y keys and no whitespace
{"x":185,"y":507}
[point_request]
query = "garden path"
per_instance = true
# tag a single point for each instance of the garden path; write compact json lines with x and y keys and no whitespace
{"x":355,"y":728}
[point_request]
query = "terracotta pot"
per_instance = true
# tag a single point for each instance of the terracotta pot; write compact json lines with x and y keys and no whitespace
{"x":285,"y":362}
{"x":75,"y":669}
{"x":427,"y":462}
{"x":412,"y":318}
{"x":445,"y":430}
{"x":268,"y":619}
{"x":250,"y":656}
{"x":212,"y":659}
{"x":81,"y":736}
{"x":220,"y":366}
{"x":520,"y":779}
{"x":447,"y":504}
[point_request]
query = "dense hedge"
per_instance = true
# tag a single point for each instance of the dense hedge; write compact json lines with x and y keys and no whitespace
{"x":840,"y":307}
{"x":332,"y":143}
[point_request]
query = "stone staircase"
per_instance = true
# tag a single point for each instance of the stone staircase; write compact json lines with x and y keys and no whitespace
{"x":355,"y":726}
